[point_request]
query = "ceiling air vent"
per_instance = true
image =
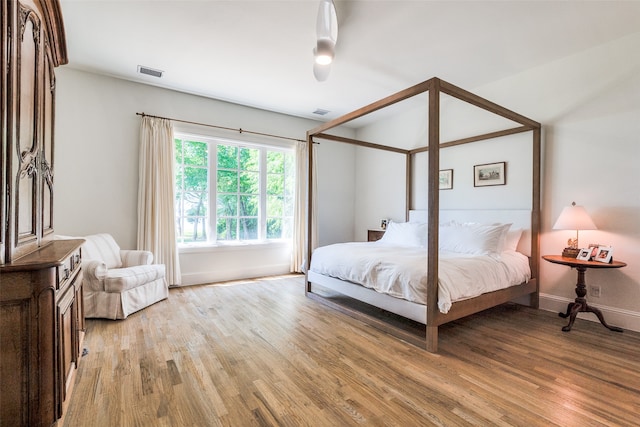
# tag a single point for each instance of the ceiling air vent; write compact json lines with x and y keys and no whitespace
{"x":149,"y":71}
{"x":320,"y":112}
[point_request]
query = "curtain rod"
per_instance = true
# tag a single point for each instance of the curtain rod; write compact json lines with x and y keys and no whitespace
{"x":239,"y":130}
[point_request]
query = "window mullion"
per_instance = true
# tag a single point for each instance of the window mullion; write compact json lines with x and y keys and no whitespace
{"x":213,"y":191}
{"x":262,"y":211}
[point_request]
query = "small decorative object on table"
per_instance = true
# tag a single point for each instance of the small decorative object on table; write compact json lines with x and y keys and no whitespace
{"x":604,"y":254}
{"x":383,"y":224}
{"x":570,"y":252}
{"x":584,"y":255}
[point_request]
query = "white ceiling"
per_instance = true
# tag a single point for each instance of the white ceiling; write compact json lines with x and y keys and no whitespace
{"x":259,"y":53}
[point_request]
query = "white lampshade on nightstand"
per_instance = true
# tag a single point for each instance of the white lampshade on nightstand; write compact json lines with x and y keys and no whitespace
{"x":574,"y":218}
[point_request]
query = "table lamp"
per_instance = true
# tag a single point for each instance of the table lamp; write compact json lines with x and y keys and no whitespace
{"x":573,"y":218}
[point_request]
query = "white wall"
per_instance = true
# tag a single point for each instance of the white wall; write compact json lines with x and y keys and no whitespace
{"x":96,"y":167}
{"x":589,"y":106}
{"x":336,"y":193}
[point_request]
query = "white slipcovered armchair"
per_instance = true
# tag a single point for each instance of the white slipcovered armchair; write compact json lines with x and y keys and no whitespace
{"x":119,"y":282}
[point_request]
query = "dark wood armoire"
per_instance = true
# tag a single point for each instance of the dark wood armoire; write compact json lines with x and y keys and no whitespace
{"x":41,"y":314}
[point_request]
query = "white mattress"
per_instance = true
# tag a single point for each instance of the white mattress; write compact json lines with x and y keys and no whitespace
{"x":401,"y":271}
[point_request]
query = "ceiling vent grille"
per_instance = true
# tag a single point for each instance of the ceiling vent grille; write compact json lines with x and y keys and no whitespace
{"x":149,"y":71}
{"x":320,"y":112}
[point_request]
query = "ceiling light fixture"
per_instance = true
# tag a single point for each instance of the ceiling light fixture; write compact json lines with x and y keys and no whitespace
{"x":324,"y":52}
{"x":327,"y":33}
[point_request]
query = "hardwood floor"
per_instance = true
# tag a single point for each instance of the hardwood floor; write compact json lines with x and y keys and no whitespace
{"x":259,"y":353}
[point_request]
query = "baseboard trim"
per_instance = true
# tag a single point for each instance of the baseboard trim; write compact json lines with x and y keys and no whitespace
{"x":189,"y":279}
{"x":625,"y":319}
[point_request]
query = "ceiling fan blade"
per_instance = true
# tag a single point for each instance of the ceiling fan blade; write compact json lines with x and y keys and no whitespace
{"x":327,"y":23}
{"x":321,"y":72}
{"x":327,"y":32}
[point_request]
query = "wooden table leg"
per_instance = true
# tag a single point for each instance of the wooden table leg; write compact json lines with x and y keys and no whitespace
{"x":572,"y":311}
{"x":580,"y":304}
{"x":598,"y":313}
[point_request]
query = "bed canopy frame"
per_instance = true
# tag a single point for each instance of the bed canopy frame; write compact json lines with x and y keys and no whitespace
{"x":434,"y":87}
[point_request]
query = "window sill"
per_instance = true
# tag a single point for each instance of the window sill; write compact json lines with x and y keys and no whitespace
{"x":234,"y":246}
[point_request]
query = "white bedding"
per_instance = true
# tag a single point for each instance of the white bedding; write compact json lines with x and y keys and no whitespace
{"x":400,"y":271}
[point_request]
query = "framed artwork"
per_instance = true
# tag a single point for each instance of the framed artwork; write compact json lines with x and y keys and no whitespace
{"x":446,"y":179}
{"x":584,"y":254}
{"x":383,"y":224}
{"x":605,"y":253}
{"x":594,"y":249}
{"x":489,"y":174}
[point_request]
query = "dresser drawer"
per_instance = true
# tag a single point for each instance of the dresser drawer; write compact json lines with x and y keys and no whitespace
{"x":65,"y":271}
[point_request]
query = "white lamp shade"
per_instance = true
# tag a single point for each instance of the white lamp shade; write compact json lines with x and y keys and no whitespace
{"x":574,"y":218}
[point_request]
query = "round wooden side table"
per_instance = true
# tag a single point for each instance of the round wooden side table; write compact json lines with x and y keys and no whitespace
{"x":580,"y":303}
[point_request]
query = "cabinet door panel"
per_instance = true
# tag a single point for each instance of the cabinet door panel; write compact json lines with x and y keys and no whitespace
{"x":26,"y":155}
{"x":46,"y":167}
{"x":14,"y":372}
{"x":66,"y":344}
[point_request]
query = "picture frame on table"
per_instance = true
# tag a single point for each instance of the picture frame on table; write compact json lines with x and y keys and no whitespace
{"x":605,"y":254}
{"x":445,"y":178}
{"x":489,"y":174}
{"x":383,"y":224}
{"x":584,"y":254}
{"x":594,"y":249}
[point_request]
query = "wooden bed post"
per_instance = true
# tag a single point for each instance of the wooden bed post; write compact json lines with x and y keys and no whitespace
{"x":534,"y":300}
{"x":433,"y":216}
{"x":310,"y":222}
{"x":408,"y":188}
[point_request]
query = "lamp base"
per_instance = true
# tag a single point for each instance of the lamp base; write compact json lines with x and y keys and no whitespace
{"x":570,"y":252}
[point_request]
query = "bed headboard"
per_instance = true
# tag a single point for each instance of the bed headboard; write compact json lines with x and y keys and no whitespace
{"x":519,"y":218}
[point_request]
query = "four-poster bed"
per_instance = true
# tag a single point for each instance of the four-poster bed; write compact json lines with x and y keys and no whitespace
{"x":428,"y":312}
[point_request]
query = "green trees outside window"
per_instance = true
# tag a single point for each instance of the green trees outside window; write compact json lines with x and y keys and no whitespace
{"x":251,"y":188}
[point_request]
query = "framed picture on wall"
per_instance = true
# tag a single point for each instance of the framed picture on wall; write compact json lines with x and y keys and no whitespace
{"x":446,"y":179}
{"x":489,"y":174}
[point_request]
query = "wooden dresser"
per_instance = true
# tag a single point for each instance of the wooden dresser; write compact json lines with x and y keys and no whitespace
{"x":41,"y":333}
{"x":41,"y":315}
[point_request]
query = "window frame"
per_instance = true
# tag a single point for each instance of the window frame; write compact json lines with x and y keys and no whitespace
{"x":212,"y":142}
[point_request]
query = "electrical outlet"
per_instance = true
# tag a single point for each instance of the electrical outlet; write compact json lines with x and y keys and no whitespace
{"x":595,"y":291}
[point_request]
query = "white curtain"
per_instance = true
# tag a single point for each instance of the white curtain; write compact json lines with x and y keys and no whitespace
{"x":156,"y":215}
{"x":298,"y":256}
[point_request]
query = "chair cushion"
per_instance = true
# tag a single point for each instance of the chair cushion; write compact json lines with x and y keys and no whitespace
{"x":102,"y":247}
{"x":132,"y":257}
{"x":121,"y":279}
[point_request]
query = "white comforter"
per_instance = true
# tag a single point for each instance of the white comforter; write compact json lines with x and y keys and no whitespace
{"x":401,"y":271}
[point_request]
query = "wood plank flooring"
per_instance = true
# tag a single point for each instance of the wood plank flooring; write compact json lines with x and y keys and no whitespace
{"x":259,"y":353}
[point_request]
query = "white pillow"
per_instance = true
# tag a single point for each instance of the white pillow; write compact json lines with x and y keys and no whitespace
{"x":512,"y":240}
{"x":413,"y":234}
{"x":474,"y":239}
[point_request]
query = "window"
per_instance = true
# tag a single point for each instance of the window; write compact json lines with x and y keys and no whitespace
{"x":230,"y":191}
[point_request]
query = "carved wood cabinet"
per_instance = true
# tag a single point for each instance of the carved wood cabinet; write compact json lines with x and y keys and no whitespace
{"x":41,"y":315}
{"x":33,"y":44}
